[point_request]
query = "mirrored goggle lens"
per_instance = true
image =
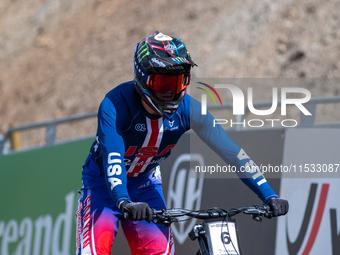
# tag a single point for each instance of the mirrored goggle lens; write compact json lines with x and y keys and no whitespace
{"x":165,"y":83}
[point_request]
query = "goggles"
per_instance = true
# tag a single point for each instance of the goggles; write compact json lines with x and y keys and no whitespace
{"x":165,"y":83}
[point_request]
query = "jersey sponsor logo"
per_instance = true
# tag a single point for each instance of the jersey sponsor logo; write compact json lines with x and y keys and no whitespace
{"x":85,"y":236}
{"x":140,"y":127}
{"x":148,"y":151}
{"x":171,"y":124}
{"x":171,"y":129}
{"x":185,"y":191}
{"x":78,"y":231}
{"x":127,"y":162}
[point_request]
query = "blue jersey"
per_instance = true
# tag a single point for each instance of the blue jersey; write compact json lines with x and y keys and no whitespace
{"x":131,"y":143}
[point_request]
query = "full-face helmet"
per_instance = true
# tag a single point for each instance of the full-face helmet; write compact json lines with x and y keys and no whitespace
{"x":162,"y":64}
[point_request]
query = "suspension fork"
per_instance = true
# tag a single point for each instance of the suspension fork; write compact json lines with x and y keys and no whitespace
{"x":198,"y":233}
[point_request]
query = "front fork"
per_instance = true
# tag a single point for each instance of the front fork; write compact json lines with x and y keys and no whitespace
{"x":199,"y":233}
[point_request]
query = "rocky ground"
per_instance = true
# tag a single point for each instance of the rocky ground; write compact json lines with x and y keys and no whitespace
{"x":59,"y":57}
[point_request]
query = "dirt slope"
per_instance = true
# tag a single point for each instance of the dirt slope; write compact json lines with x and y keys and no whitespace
{"x":60,"y":57}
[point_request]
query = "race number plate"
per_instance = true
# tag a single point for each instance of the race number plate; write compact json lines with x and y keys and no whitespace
{"x":222,"y":237}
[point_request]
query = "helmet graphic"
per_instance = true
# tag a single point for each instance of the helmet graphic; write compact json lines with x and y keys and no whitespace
{"x":162,"y":64}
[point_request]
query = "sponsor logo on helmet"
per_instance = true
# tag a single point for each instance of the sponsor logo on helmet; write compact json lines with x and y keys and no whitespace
{"x":139,"y":70}
{"x":170,"y":47}
{"x":158,"y":62}
{"x":162,"y":37}
{"x":172,"y":106}
{"x":174,"y":68}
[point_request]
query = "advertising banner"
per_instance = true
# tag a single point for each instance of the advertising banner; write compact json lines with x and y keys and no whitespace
{"x":38,"y":194}
{"x":313,"y":188}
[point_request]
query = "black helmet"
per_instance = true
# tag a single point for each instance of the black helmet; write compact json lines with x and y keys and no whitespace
{"x":162,"y":63}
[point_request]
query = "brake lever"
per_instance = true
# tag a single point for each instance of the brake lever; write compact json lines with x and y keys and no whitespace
{"x":258,"y":213}
{"x":164,"y":221}
{"x":253,"y":211}
{"x":257,"y":218}
{"x":268,"y":214}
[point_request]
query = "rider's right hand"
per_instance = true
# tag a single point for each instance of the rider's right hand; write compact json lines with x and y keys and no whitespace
{"x":136,"y":211}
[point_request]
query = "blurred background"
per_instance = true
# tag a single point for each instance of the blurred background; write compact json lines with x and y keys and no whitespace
{"x":60,"y":58}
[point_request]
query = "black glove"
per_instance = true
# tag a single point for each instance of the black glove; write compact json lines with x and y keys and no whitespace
{"x":278,"y":206}
{"x":136,"y":211}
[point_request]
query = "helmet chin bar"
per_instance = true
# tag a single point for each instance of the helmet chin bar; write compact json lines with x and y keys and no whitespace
{"x":152,"y":105}
{"x":167,"y":111}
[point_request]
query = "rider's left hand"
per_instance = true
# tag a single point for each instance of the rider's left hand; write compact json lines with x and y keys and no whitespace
{"x":278,"y":206}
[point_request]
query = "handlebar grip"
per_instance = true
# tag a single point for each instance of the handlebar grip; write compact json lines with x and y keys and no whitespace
{"x":156,"y":212}
{"x":126,"y":213}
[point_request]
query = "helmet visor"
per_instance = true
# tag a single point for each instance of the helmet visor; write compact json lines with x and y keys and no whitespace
{"x":165,"y":83}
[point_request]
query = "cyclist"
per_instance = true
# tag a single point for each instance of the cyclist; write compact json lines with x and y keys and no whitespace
{"x":134,"y":136}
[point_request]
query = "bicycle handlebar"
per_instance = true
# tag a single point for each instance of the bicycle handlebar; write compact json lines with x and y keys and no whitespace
{"x":166,"y":217}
